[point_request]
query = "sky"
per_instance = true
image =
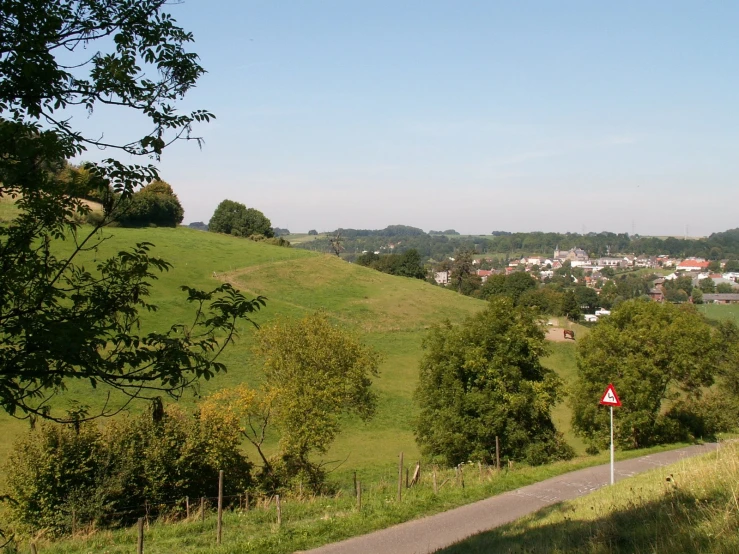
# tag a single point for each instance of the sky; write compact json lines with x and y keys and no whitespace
{"x":475,"y":116}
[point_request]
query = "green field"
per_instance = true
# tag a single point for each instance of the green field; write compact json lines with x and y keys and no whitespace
{"x":720,"y":311}
{"x":390,"y":313}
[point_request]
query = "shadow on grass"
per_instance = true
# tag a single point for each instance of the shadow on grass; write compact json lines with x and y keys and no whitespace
{"x":676,"y":522}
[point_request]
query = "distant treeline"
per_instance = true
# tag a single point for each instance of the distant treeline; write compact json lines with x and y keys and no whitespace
{"x":355,"y":241}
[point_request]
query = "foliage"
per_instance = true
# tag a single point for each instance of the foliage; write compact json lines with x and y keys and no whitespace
{"x":408,"y":264}
{"x":587,"y":298}
{"x":463,"y":278}
{"x":697,"y":296}
{"x":312,"y":232}
{"x":707,"y":285}
{"x":132,"y":466}
{"x":325,"y":519}
{"x":653,"y":353}
{"x":154,"y":205}
{"x":234,"y":218}
{"x":514,"y":285}
{"x":570,"y":306}
{"x":315,"y":372}
{"x":484,"y":379}
{"x":58,"y":319}
{"x":725,"y":288}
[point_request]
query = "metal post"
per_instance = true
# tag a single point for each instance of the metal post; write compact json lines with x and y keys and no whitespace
{"x":612,"y":480}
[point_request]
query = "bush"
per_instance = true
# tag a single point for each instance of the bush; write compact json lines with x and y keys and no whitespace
{"x":107,"y":476}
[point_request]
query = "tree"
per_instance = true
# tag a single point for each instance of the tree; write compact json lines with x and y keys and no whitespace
{"x":465,"y":281}
{"x":410,"y":265}
{"x":725,"y":288}
{"x":312,"y":232}
{"x":570,"y":306}
{"x":586,"y":298}
{"x":316,"y":372}
{"x":731,"y":265}
{"x":653,"y":353}
{"x":234,"y":218}
{"x":482,"y":379}
{"x":697,"y":296}
{"x":59,"y":320}
{"x":707,"y":285}
{"x":337,"y":243}
{"x":155,"y":204}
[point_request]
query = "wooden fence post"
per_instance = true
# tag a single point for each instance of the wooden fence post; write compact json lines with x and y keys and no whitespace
{"x":497,"y":453}
{"x":359,"y":496}
{"x":246,"y":501}
{"x":400,"y":478}
{"x":140,"y":541}
{"x":202,"y":508}
{"x":220,"y":507}
{"x":461,"y":476}
{"x":33,"y":548}
{"x":355,"y":480}
{"x":436,"y":489}
{"x":187,"y":507}
{"x":407,"y":470}
{"x":279,"y":510}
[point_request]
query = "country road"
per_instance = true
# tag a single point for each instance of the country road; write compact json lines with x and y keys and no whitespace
{"x":429,"y":534}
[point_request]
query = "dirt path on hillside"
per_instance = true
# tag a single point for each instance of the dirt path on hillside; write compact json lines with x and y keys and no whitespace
{"x":555,"y":334}
{"x":432,"y":533}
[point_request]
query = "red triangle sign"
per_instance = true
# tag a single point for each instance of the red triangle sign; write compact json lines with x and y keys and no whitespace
{"x":610,"y":398}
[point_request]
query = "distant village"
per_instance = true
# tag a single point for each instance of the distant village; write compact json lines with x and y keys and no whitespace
{"x":594,"y":273}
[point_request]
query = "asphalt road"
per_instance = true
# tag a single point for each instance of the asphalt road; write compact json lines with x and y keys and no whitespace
{"x":432,"y":533}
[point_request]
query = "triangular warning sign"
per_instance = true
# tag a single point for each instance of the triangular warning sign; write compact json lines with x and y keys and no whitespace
{"x":610,"y":398}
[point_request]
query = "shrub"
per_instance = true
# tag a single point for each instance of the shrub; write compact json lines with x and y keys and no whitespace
{"x":132,"y":467}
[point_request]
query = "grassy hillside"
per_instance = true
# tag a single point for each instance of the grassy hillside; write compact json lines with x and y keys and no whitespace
{"x":687,"y":507}
{"x":389,"y":312}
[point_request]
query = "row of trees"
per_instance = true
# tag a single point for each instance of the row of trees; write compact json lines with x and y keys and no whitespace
{"x":513,"y":245}
{"x":676,"y":375}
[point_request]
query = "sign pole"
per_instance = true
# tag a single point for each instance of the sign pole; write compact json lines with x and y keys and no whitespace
{"x":612,"y":445}
{"x":610,"y":399}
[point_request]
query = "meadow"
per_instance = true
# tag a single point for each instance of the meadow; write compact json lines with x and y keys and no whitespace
{"x":390,"y":313}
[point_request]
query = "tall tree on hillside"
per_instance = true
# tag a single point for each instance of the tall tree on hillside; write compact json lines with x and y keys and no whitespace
{"x":483,"y":379}
{"x":655,"y":354}
{"x":60,"y":321}
{"x":234,"y":218}
{"x":155,"y":204}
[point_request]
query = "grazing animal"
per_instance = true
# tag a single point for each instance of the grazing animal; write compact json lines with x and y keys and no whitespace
{"x":569,"y":334}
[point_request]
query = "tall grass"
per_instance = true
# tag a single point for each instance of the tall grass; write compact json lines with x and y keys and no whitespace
{"x":691,"y":506}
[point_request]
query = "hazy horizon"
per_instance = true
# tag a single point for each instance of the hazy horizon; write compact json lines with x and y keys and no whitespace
{"x":564,"y":116}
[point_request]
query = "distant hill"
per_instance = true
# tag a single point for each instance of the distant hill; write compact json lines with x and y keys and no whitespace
{"x":441,"y":244}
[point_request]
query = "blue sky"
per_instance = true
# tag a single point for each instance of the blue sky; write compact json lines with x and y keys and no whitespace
{"x":477,"y":116}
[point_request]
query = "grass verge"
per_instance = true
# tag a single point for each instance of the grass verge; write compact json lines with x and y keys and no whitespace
{"x":690,"y":506}
{"x":312,"y":522}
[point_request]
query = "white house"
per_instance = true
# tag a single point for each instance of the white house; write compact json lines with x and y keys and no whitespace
{"x":442,"y":277}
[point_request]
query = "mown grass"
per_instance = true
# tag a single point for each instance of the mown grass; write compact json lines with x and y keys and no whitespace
{"x":690,"y":506}
{"x":720,"y":311}
{"x":314,"y":521}
{"x":8,"y":210}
